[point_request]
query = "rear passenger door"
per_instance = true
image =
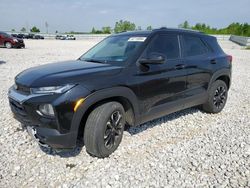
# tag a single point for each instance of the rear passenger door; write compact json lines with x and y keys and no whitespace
{"x":196,"y":56}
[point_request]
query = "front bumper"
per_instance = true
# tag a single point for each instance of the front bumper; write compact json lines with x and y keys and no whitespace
{"x":18,"y":45}
{"x":47,"y":131}
{"x":51,"y":137}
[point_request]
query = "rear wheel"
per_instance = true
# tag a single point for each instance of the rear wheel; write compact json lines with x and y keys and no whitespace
{"x":217,"y":97}
{"x":8,"y":45}
{"x":104,"y":129}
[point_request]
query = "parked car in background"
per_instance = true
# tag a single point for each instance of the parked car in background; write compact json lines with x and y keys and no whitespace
{"x":65,"y":37}
{"x":21,"y":36}
{"x":70,"y":37}
{"x":14,"y":35}
{"x":60,"y":37}
{"x":9,"y":41}
{"x":38,"y":37}
{"x":30,"y":36}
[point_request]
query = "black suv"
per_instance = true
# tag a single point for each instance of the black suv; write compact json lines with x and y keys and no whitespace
{"x":128,"y":78}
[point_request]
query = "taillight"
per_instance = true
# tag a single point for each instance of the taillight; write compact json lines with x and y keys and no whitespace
{"x":230,"y":58}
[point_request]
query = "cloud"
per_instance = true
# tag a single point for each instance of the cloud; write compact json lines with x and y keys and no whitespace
{"x":103,"y":11}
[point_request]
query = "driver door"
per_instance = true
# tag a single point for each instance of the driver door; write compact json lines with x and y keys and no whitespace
{"x":161,"y":85}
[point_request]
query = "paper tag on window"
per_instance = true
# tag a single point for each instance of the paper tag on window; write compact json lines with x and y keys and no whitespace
{"x":137,"y":39}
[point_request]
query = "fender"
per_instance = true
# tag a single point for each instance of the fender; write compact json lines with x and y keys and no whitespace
{"x":217,"y":74}
{"x":101,"y":95}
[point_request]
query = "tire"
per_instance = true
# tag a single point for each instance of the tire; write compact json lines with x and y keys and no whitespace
{"x":8,"y":45}
{"x":104,"y":129}
{"x":217,"y":97}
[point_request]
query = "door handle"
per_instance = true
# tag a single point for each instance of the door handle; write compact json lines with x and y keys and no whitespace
{"x":180,"y":66}
{"x":213,"y":61}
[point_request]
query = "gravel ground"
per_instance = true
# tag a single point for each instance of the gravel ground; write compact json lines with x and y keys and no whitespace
{"x":185,"y":149}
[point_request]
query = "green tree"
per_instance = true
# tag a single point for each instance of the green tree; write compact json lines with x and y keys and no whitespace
{"x":23,"y":29}
{"x":13,"y":30}
{"x":184,"y":25}
{"x":34,"y":29}
{"x":245,"y":29}
{"x":106,"y":30}
{"x":98,"y":32}
{"x":149,"y":28}
{"x":93,"y":30}
{"x":124,"y":26}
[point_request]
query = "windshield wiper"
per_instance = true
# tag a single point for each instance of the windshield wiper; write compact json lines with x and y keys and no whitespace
{"x":94,"y":60}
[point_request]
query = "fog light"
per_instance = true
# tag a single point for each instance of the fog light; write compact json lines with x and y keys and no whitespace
{"x":47,"y":109}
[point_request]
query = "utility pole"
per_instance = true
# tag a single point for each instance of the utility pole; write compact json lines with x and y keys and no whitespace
{"x":47,"y":27}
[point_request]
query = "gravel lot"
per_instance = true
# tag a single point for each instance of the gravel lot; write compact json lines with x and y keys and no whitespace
{"x":185,"y":149}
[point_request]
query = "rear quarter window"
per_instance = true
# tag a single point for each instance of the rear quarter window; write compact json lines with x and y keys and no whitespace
{"x":213,"y":45}
{"x":193,"y":46}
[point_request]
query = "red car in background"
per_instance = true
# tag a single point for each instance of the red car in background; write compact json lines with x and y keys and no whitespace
{"x":9,"y":41}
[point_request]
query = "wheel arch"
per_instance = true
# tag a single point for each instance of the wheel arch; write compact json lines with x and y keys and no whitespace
{"x":123,"y":95}
{"x":224,"y":75}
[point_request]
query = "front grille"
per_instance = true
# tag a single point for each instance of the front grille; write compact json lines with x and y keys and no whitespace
{"x":19,"y":112}
{"x":22,"y":89}
{"x":17,"y":107}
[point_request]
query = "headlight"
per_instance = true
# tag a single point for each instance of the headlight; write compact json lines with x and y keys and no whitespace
{"x":15,"y":40}
{"x":46,"y":109}
{"x":51,"y":89}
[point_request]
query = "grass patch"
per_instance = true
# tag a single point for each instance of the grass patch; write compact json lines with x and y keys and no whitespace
{"x":248,"y":48}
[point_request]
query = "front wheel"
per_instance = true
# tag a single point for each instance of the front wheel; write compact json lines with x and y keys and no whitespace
{"x":104,"y":129}
{"x":8,"y":45}
{"x":217,"y":97}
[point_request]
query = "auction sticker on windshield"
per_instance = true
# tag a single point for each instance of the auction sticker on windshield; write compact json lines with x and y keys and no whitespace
{"x":137,"y":39}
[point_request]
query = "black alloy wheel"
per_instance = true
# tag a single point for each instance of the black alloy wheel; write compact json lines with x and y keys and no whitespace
{"x":219,"y":97}
{"x":104,"y":129}
{"x":113,"y":130}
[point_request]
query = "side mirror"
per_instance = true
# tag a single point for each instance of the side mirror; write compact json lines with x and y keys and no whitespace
{"x":154,"y":58}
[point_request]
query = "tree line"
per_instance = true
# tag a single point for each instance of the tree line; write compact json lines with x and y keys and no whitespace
{"x":120,"y":26}
{"x":232,"y":29}
{"x":241,"y":29}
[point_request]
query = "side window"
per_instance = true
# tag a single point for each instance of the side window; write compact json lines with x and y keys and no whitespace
{"x":193,"y":46}
{"x":164,"y":44}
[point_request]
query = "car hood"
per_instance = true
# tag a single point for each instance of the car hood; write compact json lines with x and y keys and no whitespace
{"x":67,"y":72}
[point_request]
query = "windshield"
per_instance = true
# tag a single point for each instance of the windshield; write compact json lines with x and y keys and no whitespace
{"x":114,"y":49}
{"x":6,"y":35}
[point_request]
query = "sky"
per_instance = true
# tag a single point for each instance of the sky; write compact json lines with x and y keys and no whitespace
{"x":83,"y":15}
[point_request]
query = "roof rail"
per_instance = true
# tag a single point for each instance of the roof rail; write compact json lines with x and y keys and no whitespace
{"x":182,"y":29}
{"x":185,"y":29}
